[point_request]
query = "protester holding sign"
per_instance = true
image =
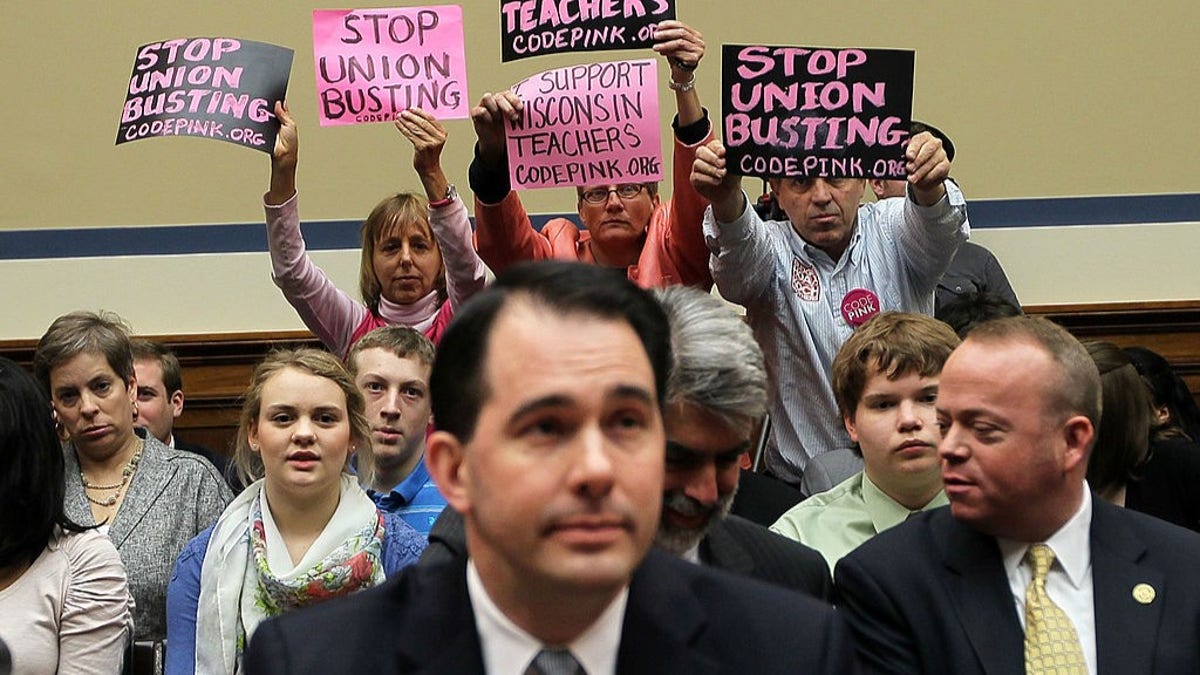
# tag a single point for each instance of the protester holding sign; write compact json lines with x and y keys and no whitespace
{"x":587,"y":124}
{"x":808,"y":286}
{"x":626,"y":225}
{"x":418,"y":263}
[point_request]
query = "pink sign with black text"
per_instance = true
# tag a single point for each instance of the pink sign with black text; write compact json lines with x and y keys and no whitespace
{"x":373,"y":64}
{"x":589,"y":124}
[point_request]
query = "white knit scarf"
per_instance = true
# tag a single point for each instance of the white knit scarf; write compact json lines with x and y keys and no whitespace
{"x":228,"y":610}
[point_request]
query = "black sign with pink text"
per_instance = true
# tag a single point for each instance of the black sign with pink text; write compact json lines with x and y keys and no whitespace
{"x":536,"y":27}
{"x":222,"y":88}
{"x":813,"y":111}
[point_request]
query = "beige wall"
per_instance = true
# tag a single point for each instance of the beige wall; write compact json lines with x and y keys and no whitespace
{"x":1041,"y":99}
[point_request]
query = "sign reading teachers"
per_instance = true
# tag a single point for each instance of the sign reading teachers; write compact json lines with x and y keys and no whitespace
{"x":535,"y":27}
{"x":809,"y":111}
{"x":587,"y":124}
{"x":372,"y":64}
{"x":222,"y":88}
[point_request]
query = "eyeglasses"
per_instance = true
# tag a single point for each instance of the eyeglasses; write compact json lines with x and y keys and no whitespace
{"x":600,"y":195}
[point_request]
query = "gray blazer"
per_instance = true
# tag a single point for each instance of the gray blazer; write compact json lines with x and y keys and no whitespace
{"x":172,"y":497}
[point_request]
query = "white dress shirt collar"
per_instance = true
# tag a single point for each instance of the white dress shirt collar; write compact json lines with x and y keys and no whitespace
{"x":1071,"y":546}
{"x":508,"y":649}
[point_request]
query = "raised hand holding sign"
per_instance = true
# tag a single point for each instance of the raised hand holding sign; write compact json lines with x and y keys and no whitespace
{"x":371,"y":64}
{"x":799,"y":111}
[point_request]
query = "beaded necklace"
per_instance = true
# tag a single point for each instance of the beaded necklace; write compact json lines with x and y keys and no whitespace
{"x":126,"y":476}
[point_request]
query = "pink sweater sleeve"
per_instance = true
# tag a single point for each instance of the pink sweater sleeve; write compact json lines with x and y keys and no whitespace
{"x":465,"y":272}
{"x":329,"y":313}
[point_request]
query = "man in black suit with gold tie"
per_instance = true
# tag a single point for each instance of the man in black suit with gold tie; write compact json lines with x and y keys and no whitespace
{"x":1025,"y":571}
{"x":547,"y":394}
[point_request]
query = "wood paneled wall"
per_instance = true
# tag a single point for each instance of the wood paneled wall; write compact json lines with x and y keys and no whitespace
{"x":216,"y":371}
{"x":217,"y":367}
{"x":1169,"y":328}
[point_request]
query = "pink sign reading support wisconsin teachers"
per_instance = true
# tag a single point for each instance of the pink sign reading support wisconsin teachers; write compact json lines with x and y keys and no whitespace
{"x":590,"y":124}
{"x":374,"y":63}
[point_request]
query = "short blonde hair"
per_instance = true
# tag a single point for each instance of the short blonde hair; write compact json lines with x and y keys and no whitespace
{"x":315,"y":362}
{"x":1075,"y":388}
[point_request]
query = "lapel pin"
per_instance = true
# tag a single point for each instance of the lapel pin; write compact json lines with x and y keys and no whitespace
{"x":1143,"y":593}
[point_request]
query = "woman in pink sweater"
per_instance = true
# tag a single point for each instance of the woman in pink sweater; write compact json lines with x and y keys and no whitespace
{"x":418,"y":260}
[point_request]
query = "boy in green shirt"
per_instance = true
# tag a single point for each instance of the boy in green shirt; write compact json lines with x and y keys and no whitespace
{"x":885,"y":380}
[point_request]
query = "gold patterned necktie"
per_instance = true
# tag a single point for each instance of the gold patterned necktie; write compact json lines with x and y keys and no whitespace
{"x":1051,"y":644}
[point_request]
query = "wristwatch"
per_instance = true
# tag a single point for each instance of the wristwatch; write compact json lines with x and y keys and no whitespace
{"x":451,"y":196}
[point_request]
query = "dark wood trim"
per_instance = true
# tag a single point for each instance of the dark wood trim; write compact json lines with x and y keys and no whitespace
{"x":1176,"y":316}
{"x":1171,"y":328}
{"x":216,"y":371}
{"x":197,"y":344}
{"x":1093,"y":307}
{"x":217,"y":366}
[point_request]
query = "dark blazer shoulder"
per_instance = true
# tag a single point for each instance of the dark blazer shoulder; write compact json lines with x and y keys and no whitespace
{"x":447,"y":539}
{"x":181,"y":459}
{"x":930,"y":595}
{"x":418,"y":621}
{"x":1146,"y":596}
{"x":1181,"y":542}
{"x":223,"y":463}
{"x":218,"y":460}
{"x":679,"y":619}
{"x":762,"y":499}
{"x":687,"y":618}
{"x":744,"y":547}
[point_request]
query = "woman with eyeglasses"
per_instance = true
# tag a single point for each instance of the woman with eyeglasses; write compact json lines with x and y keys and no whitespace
{"x":626,"y":225}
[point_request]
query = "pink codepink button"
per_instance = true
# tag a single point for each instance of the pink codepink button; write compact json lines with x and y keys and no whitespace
{"x":858,"y":306}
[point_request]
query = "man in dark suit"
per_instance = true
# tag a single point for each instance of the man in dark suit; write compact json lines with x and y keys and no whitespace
{"x":160,"y":401}
{"x":547,"y":393}
{"x":1024,"y":565}
{"x":716,"y":396}
{"x":716,"y":393}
